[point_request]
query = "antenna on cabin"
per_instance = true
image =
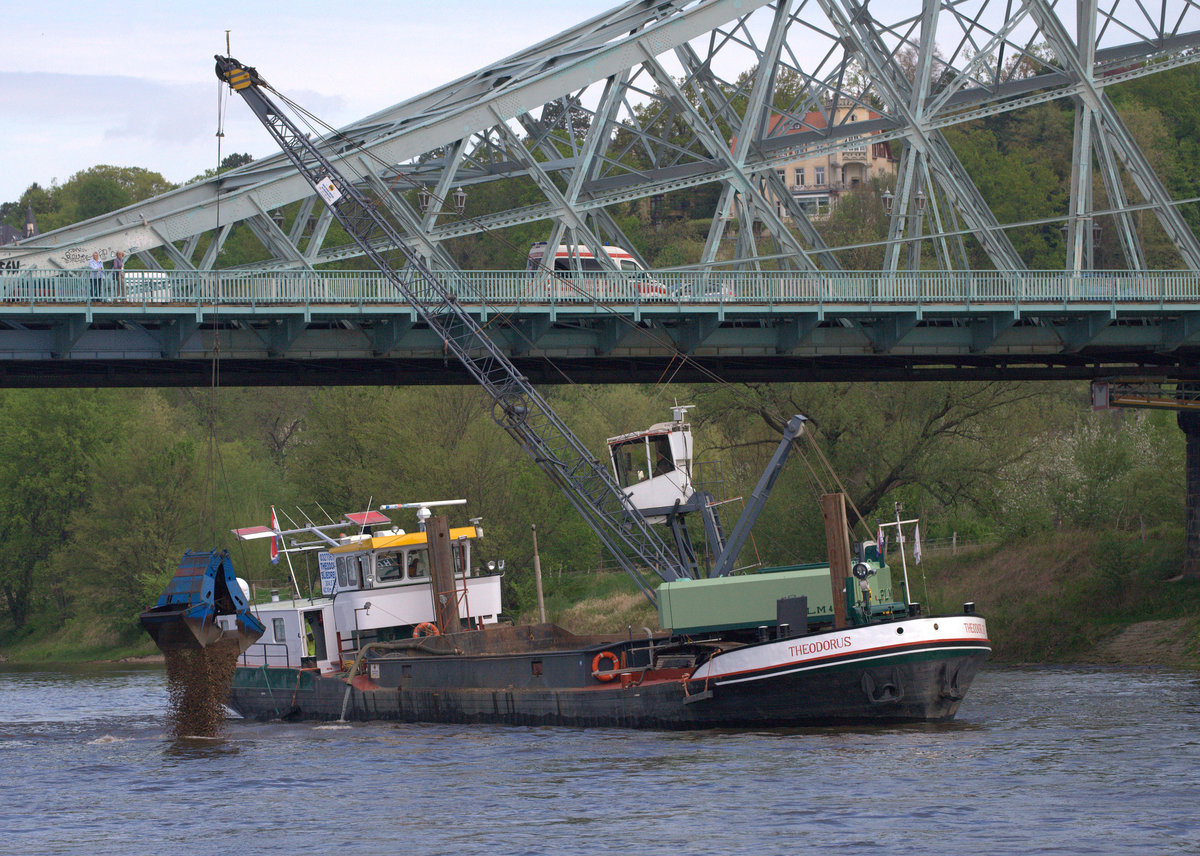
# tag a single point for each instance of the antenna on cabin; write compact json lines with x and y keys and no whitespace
{"x":423,"y":512}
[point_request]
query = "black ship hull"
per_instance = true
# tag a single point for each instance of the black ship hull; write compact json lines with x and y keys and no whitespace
{"x":839,"y":677}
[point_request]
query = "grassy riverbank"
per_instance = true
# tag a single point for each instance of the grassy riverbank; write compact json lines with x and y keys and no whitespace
{"x":1068,"y":598}
{"x":1074,"y":597}
{"x":82,"y":639}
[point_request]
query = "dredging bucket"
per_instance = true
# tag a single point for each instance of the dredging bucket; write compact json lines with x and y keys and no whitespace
{"x":203,"y":605}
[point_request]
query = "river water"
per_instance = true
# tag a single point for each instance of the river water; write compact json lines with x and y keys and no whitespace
{"x":1047,"y":760}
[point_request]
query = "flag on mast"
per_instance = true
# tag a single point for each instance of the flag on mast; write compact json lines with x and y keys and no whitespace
{"x":275,"y":540}
{"x":881,"y":544}
{"x":917,"y":543}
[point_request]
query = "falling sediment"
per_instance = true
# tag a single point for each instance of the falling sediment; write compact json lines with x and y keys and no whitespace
{"x":198,"y":681}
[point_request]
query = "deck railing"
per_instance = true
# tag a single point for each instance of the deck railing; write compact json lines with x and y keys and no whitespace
{"x":506,"y":288}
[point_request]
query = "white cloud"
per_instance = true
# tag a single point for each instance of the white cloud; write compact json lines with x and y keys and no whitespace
{"x":90,"y":82}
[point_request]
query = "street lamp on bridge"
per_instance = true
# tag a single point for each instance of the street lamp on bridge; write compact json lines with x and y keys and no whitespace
{"x":425,"y":200}
{"x":914,"y":246}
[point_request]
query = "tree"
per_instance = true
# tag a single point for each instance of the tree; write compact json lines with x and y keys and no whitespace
{"x":1021,"y":163}
{"x":162,"y":489}
{"x":267,"y":418}
{"x":47,"y":440}
{"x":96,"y":195}
{"x":235,"y":160}
{"x":101,"y":189}
{"x":88,"y":193}
{"x":144,"y":500}
{"x":948,"y":442}
{"x":1101,"y":471}
{"x":857,"y":219}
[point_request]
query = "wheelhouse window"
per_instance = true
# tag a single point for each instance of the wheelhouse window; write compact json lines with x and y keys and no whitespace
{"x":277,"y":629}
{"x":641,"y":458}
{"x":660,"y":454}
{"x":631,"y":461}
{"x":387,"y":568}
{"x":459,"y":550}
{"x":417,"y":563}
{"x":347,"y":572}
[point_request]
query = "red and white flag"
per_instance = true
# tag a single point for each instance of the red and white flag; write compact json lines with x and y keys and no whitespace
{"x":274,"y":541}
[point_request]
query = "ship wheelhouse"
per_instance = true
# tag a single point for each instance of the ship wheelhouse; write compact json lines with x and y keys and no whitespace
{"x":375,"y":587}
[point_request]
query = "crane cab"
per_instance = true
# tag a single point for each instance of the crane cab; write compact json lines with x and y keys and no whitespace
{"x":654,"y":466}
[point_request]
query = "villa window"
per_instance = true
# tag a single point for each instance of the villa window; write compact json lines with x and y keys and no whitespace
{"x":820,"y":171}
{"x":800,"y":176}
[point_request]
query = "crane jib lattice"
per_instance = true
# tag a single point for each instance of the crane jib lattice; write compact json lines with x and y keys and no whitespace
{"x":517,"y":406}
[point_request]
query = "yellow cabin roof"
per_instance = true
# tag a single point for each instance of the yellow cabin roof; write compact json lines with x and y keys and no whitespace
{"x":383,"y":542}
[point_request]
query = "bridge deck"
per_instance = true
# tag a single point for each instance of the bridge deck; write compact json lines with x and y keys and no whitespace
{"x":335,"y":326}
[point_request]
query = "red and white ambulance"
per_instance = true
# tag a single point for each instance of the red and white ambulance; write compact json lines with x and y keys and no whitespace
{"x":576,"y":272}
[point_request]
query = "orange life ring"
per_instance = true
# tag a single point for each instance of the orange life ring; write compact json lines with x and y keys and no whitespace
{"x":425,"y":628}
{"x":604,"y":655}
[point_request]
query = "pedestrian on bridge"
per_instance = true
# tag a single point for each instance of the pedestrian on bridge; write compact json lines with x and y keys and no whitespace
{"x":119,"y":273}
{"x":97,"y":275}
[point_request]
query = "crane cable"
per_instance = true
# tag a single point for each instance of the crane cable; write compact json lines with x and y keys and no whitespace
{"x":215,"y":464}
{"x":327,"y":135}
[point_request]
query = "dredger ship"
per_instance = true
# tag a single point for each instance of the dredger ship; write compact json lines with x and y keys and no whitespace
{"x":799,"y":645}
{"x":400,"y":632}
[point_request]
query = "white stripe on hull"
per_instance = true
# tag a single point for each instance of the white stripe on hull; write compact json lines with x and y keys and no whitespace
{"x":853,"y":644}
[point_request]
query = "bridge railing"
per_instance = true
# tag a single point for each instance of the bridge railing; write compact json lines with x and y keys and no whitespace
{"x":509,"y":288}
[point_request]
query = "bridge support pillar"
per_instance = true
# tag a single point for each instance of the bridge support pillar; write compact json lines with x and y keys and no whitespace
{"x":1189,"y":423}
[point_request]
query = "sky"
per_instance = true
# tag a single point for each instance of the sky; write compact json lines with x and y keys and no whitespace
{"x":92,"y":82}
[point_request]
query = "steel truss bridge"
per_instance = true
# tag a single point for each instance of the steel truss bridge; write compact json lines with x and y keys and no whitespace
{"x":644,"y":100}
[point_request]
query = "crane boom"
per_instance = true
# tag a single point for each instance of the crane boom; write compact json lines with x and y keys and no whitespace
{"x":516,"y":405}
{"x":766,"y":483}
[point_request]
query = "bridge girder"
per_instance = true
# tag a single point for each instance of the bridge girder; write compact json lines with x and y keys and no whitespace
{"x":653,"y":97}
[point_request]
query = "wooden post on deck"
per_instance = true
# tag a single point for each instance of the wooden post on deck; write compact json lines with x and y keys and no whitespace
{"x":837,"y":542}
{"x":537,"y":578}
{"x":441,"y":571}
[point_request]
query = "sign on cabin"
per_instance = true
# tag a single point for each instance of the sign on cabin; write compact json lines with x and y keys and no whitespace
{"x":328,"y":566}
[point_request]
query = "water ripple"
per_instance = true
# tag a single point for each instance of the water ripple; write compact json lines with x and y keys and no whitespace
{"x":1062,"y":761}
